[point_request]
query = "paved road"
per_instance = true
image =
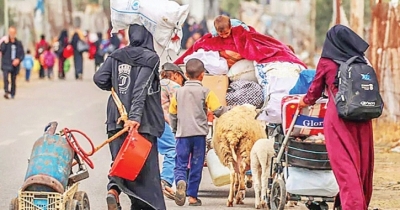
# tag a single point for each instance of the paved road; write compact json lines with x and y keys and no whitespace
{"x":74,"y":104}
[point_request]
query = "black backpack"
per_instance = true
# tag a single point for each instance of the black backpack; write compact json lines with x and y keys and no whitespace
{"x":358,"y":97}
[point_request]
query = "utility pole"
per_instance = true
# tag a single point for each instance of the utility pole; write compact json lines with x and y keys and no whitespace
{"x":357,"y":16}
{"x":312,"y":31}
{"x":6,"y":21}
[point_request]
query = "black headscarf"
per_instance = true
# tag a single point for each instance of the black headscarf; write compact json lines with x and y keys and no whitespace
{"x":140,"y":50}
{"x":63,"y":36}
{"x":99,"y":35}
{"x":342,"y":43}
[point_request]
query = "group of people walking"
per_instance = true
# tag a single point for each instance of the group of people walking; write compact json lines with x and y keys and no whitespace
{"x":51,"y":58}
{"x":170,"y":110}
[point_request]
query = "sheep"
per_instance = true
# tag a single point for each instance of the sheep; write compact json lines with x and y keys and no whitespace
{"x":236,"y":131}
{"x":260,"y":163}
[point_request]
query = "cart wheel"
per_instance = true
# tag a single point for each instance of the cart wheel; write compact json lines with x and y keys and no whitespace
{"x":72,"y":205}
{"x":14,"y":204}
{"x":278,"y":195}
{"x":83,"y":199}
{"x":323,"y":206}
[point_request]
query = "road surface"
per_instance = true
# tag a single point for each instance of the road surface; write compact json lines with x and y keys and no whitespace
{"x":74,"y":104}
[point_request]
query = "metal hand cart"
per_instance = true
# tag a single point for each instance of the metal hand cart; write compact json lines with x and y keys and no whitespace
{"x":298,"y":154}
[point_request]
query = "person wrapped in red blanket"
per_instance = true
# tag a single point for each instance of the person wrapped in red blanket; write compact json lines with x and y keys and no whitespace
{"x":248,"y":44}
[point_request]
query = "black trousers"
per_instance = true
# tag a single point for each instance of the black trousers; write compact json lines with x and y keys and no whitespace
{"x":13,"y":74}
{"x":147,"y":186}
{"x":41,"y":72}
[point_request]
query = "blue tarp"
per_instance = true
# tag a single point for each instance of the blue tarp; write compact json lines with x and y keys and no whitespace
{"x":303,"y":83}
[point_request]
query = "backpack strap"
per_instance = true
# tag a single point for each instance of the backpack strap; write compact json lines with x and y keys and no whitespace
{"x":347,"y":63}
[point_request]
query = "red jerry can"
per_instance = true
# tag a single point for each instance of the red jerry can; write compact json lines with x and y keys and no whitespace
{"x":131,"y":157}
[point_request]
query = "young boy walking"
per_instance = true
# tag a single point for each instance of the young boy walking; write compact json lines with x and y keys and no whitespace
{"x":28,"y":65}
{"x":188,"y":113}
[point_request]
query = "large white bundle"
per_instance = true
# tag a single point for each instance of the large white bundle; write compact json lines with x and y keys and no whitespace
{"x":213,"y":63}
{"x":162,"y":18}
{"x":242,"y":70}
{"x":277,"y":79}
{"x":303,"y":181}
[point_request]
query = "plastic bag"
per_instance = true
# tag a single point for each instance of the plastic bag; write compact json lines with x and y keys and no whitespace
{"x":36,"y":66}
{"x":303,"y":181}
{"x":68,"y":51}
{"x":82,"y":46}
{"x":131,"y":157}
{"x":213,"y":63}
{"x":277,"y":79}
{"x":303,"y":83}
{"x":162,"y":18}
{"x":67,"y":65}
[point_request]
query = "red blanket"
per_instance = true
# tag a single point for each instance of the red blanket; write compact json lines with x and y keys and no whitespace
{"x":251,"y":45}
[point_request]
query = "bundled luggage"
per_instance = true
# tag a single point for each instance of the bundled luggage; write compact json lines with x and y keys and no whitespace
{"x":162,"y":18}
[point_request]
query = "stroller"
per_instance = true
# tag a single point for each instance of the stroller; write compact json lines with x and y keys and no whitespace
{"x":300,"y":169}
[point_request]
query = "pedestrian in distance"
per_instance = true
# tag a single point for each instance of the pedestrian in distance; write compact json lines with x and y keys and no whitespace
{"x":28,"y":63}
{"x":12,"y":55}
{"x":41,"y":47}
{"x":49,"y":58}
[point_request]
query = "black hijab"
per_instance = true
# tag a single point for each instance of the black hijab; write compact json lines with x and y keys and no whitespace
{"x":342,"y":43}
{"x":99,"y":35}
{"x":63,"y":36}
{"x":140,"y":50}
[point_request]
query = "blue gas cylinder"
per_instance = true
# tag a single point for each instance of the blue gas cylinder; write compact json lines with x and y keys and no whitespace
{"x":50,"y":165}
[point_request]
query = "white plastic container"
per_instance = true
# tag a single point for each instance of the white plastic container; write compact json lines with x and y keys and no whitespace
{"x":220,"y":174}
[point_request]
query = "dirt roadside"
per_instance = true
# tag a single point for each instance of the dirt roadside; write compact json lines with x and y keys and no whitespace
{"x":386,"y":180}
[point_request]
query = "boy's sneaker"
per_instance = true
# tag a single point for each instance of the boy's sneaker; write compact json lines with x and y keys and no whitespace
{"x":167,"y":190}
{"x":6,"y":96}
{"x":180,"y":196}
{"x":113,"y":200}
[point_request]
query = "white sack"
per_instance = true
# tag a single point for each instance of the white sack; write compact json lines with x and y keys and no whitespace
{"x":277,"y":79}
{"x":162,"y":18}
{"x":242,"y":70}
{"x":303,"y":181}
{"x":213,"y":62}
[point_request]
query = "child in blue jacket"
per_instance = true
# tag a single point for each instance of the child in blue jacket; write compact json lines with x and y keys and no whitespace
{"x":28,"y":65}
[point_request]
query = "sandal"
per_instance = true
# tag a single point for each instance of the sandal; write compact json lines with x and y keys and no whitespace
{"x":197,"y":203}
{"x":167,"y":190}
{"x":113,"y":200}
{"x":180,"y":196}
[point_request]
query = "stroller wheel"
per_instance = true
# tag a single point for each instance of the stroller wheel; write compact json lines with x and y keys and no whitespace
{"x":323,"y":206}
{"x":317,"y":205}
{"x":278,"y":195}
